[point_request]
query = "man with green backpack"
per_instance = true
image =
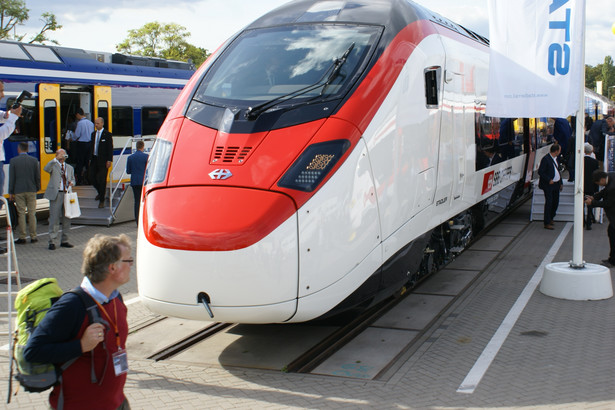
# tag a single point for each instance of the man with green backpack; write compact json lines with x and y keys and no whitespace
{"x":86,"y":340}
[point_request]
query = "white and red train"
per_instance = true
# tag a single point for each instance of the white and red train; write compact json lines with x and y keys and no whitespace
{"x":328,"y":155}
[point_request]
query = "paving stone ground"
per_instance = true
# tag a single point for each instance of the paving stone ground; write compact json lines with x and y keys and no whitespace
{"x":560,"y":354}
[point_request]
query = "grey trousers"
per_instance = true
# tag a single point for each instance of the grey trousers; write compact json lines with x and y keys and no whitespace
{"x":56,"y":211}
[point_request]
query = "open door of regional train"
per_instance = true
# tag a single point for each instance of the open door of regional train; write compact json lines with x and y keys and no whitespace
{"x":57,"y":104}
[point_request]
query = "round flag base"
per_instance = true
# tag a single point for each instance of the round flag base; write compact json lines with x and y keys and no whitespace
{"x":593,"y":282}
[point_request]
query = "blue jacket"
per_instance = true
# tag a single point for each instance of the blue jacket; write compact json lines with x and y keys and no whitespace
{"x":135,"y":166}
{"x":562,"y":132}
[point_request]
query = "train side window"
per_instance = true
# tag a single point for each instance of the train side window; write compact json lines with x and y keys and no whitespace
{"x":545,"y":131}
{"x":152,"y":119}
{"x":43,"y":54}
{"x":122,"y":120}
{"x":51,"y":126}
{"x":487,"y":132}
{"x":432,"y":86}
{"x":13,"y":51}
{"x":103,"y":112}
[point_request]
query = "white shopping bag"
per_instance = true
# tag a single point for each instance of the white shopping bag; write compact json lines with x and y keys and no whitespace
{"x":71,"y":204}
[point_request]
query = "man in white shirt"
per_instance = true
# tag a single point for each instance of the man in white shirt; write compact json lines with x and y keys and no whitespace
{"x":551,"y":183}
{"x":6,"y":130}
{"x":82,"y":143}
{"x":9,"y":118}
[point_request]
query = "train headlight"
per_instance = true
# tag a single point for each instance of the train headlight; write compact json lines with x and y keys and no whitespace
{"x":158,"y":162}
{"x":313,"y":165}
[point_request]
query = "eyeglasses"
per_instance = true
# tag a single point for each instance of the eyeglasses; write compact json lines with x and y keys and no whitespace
{"x":127,"y":260}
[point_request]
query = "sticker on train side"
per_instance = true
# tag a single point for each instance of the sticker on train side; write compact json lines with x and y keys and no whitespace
{"x":494,"y":178}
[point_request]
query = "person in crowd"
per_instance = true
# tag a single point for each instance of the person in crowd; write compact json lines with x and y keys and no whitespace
{"x":61,"y":177}
{"x":588,"y":126}
{"x":597,"y":135}
{"x":492,"y":156}
{"x":135,"y":166}
{"x":7,"y":128}
{"x":589,"y":186}
{"x":80,"y":145}
{"x":95,"y":380}
{"x":101,"y":159}
{"x":550,"y":181}
{"x":562,"y":132}
{"x":24,"y":183}
{"x":69,"y":135}
{"x":487,"y":157}
{"x":606,"y":199}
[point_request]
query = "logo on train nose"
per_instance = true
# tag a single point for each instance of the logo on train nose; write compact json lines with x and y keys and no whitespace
{"x":220,"y":174}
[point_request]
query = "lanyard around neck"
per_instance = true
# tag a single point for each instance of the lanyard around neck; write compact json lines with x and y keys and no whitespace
{"x":113,"y":323}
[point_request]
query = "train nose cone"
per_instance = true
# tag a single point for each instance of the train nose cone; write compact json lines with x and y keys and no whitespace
{"x":238,"y":246}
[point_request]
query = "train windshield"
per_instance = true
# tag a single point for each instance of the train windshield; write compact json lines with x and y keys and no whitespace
{"x":297,"y":63}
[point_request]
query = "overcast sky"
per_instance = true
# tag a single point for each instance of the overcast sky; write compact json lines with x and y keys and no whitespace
{"x":96,"y":25}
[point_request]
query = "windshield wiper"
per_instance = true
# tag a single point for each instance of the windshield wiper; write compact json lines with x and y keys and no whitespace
{"x":334,"y":69}
{"x":339,"y":62}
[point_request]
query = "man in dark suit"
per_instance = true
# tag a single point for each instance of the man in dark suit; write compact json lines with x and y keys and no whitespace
{"x":24,"y":183}
{"x":101,"y":159}
{"x":135,"y":166}
{"x":551,"y":183}
{"x":589,"y":186}
{"x":606,"y":199}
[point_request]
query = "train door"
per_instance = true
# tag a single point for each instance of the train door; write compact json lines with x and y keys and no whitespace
{"x":453,"y":84}
{"x":102,"y":105}
{"x":49,"y":123}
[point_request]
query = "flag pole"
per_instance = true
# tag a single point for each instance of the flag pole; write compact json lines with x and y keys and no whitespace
{"x":577,"y":280}
{"x":577,"y":244}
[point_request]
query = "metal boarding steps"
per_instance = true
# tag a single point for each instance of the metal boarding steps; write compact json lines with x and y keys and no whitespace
{"x":565,"y":209}
{"x":119,"y":209}
{"x":119,"y":202}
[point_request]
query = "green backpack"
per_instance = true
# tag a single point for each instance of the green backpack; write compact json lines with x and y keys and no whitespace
{"x":32,"y":304}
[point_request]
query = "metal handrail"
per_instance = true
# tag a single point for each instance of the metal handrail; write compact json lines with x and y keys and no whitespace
{"x":112,"y":190}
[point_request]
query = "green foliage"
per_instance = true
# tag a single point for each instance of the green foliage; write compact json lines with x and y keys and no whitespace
{"x":167,"y":41}
{"x":14,"y":13}
{"x":604,"y":72}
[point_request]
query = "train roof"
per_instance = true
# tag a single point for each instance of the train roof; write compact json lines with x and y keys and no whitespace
{"x":31,"y":62}
{"x":392,"y":14}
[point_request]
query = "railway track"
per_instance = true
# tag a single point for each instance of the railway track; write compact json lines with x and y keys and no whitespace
{"x":310,"y":358}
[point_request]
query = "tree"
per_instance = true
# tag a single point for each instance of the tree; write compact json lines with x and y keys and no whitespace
{"x":604,"y":72}
{"x":162,"y":40}
{"x":608,"y":76}
{"x":592,"y":74}
{"x":14,"y":13}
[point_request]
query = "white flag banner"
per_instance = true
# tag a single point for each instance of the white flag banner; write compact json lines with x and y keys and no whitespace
{"x":536,"y":62}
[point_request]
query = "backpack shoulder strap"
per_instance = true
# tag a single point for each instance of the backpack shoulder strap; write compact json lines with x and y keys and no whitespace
{"x":89,"y":304}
